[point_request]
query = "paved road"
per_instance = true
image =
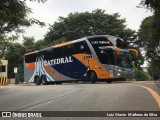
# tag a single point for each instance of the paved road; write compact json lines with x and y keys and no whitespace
{"x":118,"y":96}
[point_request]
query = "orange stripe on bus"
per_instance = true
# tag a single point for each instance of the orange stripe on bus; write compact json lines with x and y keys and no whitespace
{"x":134,"y":51}
{"x":30,"y":53}
{"x":92,"y":63}
{"x":52,"y":72}
{"x":62,"y":44}
{"x":30,"y":66}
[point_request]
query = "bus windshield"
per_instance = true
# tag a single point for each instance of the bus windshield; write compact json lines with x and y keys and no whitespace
{"x":124,"y":60}
{"x":107,"y":57}
{"x":117,"y":42}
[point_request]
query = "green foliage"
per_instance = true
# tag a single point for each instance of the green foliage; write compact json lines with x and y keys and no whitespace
{"x":146,"y":37}
{"x":14,"y":55}
{"x":150,"y":43}
{"x":28,"y":42}
{"x":140,"y":75}
{"x":150,"y":37}
{"x":40,"y":44}
{"x":149,"y":30}
{"x":14,"y":14}
{"x":78,"y":25}
{"x":151,"y":4}
{"x":3,"y":45}
{"x":154,"y":69}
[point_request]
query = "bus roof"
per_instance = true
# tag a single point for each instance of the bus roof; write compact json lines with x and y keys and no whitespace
{"x":71,"y":42}
{"x":97,"y":36}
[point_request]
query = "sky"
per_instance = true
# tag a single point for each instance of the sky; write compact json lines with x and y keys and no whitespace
{"x":50,"y":11}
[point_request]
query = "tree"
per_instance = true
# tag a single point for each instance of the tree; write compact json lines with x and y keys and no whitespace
{"x":150,"y":37}
{"x":154,"y":68}
{"x":28,"y":43}
{"x":141,"y":75}
{"x":40,"y":44}
{"x":152,"y":25}
{"x":78,"y":25}
{"x":14,"y":14}
{"x":3,"y":45}
{"x":151,"y":4}
{"x":14,"y":55}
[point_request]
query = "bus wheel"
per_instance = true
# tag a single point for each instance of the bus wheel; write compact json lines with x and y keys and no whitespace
{"x":58,"y":83}
{"x":44,"y":80}
{"x":37,"y":81}
{"x":93,"y":77}
{"x":109,"y":81}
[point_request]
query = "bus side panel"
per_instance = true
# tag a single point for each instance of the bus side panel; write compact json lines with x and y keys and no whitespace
{"x":74,"y":69}
{"x":71,"y":70}
{"x":93,"y":64}
{"x":29,"y":69}
{"x":57,"y":76}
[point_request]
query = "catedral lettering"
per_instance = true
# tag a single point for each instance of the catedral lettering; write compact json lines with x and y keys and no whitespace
{"x":58,"y":61}
{"x":109,"y":60}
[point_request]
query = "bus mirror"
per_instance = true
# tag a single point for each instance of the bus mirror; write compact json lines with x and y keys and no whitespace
{"x":134,"y":54}
{"x":102,"y":51}
{"x":82,"y":47}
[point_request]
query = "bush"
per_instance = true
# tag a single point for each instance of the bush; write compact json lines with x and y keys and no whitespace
{"x":140,"y":75}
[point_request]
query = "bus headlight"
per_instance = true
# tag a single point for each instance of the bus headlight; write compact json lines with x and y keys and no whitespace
{"x":119,"y":74}
{"x":119,"y":69}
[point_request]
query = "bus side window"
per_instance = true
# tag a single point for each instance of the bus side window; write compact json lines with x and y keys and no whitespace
{"x":82,"y":47}
{"x":106,"y":57}
{"x":30,"y":58}
{"x":76,"y":48}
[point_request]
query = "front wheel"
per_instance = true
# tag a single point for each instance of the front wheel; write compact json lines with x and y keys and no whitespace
{"x":44,"y":80}
{"x":93,"y":77}
{"x":109,"y":81}
{"x":37,"y":80}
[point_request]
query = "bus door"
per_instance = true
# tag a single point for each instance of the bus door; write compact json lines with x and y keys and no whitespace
{"x":108,"y":59}
{"x":88,"y":60}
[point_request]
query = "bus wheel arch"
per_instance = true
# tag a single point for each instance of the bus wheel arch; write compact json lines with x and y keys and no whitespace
{"x":91,"y":76}
{"x":37,"y":80}
{"x":44,"y":80}
{"x":109,"y":81}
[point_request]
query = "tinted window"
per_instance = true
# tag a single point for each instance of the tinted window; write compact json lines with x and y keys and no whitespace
{"x":76,"y":48}
{"x":117,"y":42}
{"x":53,"y":53}
{"x":30,"y":58}
{"x":124,"y":60}
{"x":2,"y":68}
{"x":107,"y":57}
{"x":121,"y":44}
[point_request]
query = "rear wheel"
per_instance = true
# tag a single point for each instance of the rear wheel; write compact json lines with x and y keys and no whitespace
{"x":109,"y":81}
{"x":44,"y":80}
{"x":37,"y":80}
{"x":93,"y":77}
{"x":58,"y":83}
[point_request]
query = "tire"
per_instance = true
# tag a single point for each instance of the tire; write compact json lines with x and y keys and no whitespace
{"x":44,"y":80}
{"x":58,"y":83}
{"x":93,"y":77}
{"x":37,"y":80}
{"x":109,"y":81}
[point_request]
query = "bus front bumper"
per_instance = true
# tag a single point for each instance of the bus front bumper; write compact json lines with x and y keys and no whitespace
{"x":125,"y":74}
